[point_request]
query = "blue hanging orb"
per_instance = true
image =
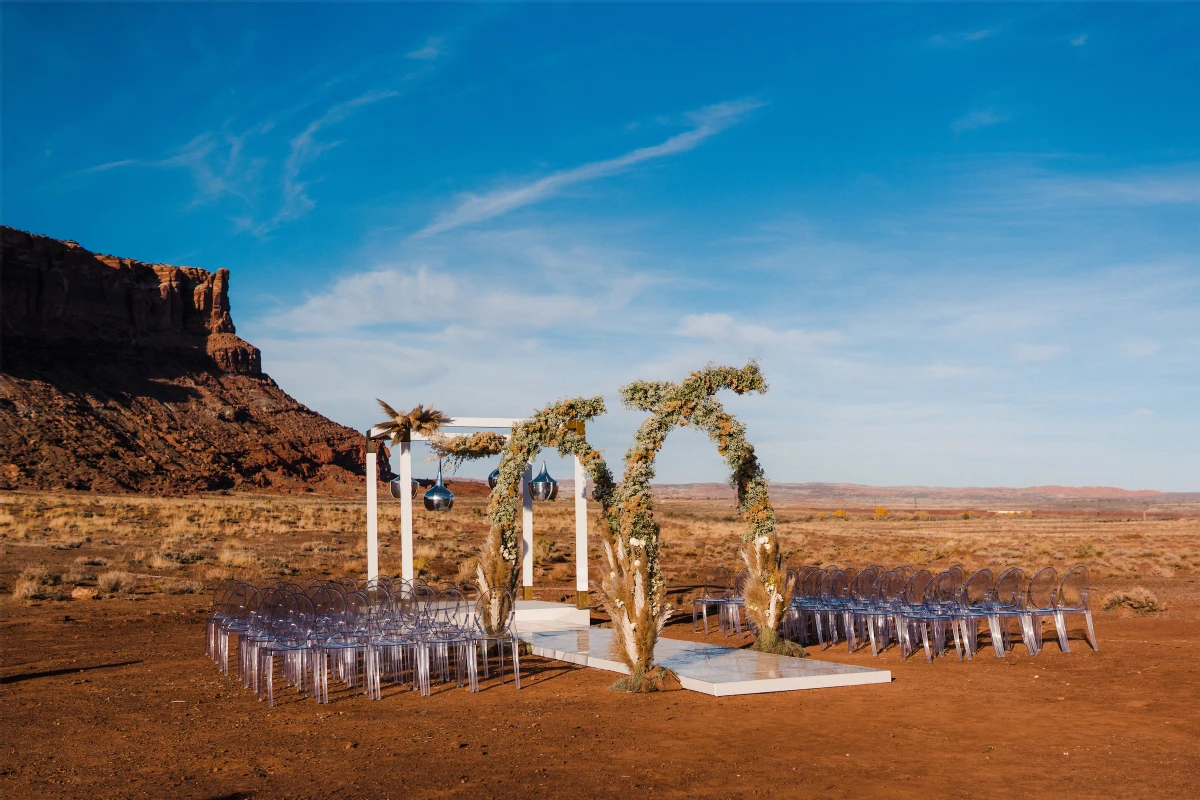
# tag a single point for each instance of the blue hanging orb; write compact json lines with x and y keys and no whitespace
{"x":543,"y":487}
{"x":493,"y":478}
{"x":439,"y":498}
{"x":396,"y":489}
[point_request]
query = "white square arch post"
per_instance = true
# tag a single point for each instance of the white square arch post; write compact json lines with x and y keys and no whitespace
{"x":406,"y":509}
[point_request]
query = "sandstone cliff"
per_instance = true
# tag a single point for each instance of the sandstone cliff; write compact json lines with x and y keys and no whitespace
{"x":116,"y":375}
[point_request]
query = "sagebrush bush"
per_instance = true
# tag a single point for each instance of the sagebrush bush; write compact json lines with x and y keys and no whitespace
{"x":115,"y":582}
{"x":1139,"y":600}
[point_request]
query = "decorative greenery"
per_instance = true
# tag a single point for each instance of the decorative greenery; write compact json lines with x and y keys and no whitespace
{"x":634,"y":588}
{"x":560,"y":425}
{"x":399,"y":427}
{"x":470,"y":446}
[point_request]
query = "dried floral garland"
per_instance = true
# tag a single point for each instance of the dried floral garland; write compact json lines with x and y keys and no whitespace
{"x":399,"y":427}
{"x":634,"y":589}
{"x":457,"y":450}
{"x":554,"y":426}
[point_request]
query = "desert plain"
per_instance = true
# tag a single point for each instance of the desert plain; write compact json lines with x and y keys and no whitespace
{"x":107,"y":691}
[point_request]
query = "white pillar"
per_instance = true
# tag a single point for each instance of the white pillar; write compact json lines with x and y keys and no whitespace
{"x":406,"y":503}
{"x":581,"y":538}
{"x":372,"y":511}
{"x":527,"y":533}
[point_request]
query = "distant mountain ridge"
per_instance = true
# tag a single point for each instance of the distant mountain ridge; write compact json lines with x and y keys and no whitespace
{"x":118,"y":375}
{"x":930,"y":496}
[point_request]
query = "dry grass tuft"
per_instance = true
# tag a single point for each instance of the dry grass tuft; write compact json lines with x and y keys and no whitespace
{"x":115,"y":582}
{"x":1139,"y":600}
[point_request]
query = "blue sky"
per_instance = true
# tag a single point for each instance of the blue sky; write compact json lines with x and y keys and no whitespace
{"x":962,"y":241}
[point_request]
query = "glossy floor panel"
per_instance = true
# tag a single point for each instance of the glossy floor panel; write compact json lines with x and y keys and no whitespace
{"x":709,"y":668}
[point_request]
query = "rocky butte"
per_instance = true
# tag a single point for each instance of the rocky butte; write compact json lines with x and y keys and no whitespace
{"x":117,"y":375}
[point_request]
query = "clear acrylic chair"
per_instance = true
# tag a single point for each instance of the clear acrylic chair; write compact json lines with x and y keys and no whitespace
{"x":978,"y":607}
{"x":450,"y":633}
{"x":496,"y":623}
{"x":730,"y":608}
{"x":1072,"y":599}
{"x":1039,"y":603}
{"x":716,"y":590}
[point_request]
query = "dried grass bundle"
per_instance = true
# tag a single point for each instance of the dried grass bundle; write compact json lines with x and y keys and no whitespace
{"x":399,"y":427}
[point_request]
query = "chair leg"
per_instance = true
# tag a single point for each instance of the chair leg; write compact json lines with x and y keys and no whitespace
{"x":997,"y":635}
{"x":1060,"y":624}
{"x":516,"y":646}
{"x":1087,"y":615}
{"x":925,"y":641}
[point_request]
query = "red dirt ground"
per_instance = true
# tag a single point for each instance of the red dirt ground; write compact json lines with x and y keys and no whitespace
{"x":116,"y":699}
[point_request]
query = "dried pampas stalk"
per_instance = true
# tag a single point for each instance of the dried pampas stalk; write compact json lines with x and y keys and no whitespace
{"x":400,"y":427}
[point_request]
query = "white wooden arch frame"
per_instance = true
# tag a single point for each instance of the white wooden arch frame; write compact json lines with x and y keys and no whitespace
{"x":406,"y":508}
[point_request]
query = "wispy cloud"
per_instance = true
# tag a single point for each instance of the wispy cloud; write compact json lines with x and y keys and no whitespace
{"x":214,"y":160}
{"x":724,"y":328}
{"x":305,"y":147}
{"x":982,"y":118}
{"x":431,"y":50}
{"x":1079,"y":41}
{"x":125,"y":162}
{"x":946,"y":370}
{"x":961,"y":38}
{"x":1139,"y":348}
{"x":474,"y":208}
{"x":1037,"y":353}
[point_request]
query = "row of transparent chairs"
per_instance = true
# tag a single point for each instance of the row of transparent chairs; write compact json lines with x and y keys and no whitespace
{"x":360,"y":635}
{"x":905,"y":605}
{"x":728,"y":595}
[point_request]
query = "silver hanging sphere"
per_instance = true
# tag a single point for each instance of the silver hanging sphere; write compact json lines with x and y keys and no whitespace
{"x":396,"y":489}
{"x":439,"y":498}
{"x":493,"y":478}
{"x":543,"y":487}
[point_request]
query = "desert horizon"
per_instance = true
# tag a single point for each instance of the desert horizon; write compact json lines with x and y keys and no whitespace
{"x":752,"y":400}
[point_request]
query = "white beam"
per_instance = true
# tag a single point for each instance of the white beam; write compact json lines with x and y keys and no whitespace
{"x":372,"y":513}
{"x":581,"y":538}
{"x":527,"y":533}
{"x":406,"y":511}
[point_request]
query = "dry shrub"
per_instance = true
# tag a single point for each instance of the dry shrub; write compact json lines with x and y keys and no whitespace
{"x":183,"y":587}
{"x":76,"y":577}
{"x":318,"y":547}
{"x":561,"y":572}
{"x":232,"y":557}
{"x":91,"y":561}
{"x":70,"y":543}
{"x":41,"y":574}
{"x":37,"y":583}
{"x":25,"y":589}
{"x":1086,"y":549}
{"x":217,"y":574}
{"x":1139,"y":600}
{"x":467,"y":571}
{"x":115,"y":582}
{"x":881,"y":513}
{"x":655,"y":679}
{"x":840,"y":514}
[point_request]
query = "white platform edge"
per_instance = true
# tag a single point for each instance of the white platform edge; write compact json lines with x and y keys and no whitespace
{"x":723,"y":689}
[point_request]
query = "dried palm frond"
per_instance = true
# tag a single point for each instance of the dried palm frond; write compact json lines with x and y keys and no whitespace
{"x":399,"y":427}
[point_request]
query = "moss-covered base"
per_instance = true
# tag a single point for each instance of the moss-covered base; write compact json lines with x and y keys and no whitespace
{"x":771,"y":642}
{"x":655,"y":679}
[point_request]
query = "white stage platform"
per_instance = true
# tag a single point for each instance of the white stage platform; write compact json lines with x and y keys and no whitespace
{"x":708,"y":668}
{"x":542,"y":615}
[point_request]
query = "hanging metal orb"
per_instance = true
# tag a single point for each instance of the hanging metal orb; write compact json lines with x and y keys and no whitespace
{"x":493,"y":478}
{"x":396,"y":489}
{"x":543,"y":487}
{"x":439,"y":498}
